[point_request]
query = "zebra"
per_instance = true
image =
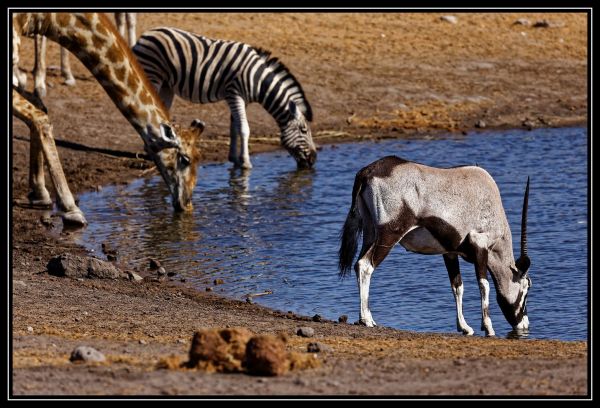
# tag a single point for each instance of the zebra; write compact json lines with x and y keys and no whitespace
{"x":205,"y":70}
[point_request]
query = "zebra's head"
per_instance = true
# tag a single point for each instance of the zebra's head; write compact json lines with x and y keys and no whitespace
{"x":178,"y":166}
{"x":297,"y":139}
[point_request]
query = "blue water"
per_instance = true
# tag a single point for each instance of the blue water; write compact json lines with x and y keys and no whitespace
{"x":275,"y":228}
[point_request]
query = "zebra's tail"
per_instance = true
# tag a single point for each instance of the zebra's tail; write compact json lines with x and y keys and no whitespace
{"x":351,"y":231}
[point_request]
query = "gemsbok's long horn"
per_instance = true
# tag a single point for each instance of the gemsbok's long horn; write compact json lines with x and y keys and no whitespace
{"x":524,"y":221}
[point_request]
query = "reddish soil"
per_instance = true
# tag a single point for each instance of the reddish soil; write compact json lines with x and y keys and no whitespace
{"x":367,"y":76}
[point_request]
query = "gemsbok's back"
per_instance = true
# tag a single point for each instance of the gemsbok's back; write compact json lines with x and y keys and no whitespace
{"x":454,"y":211}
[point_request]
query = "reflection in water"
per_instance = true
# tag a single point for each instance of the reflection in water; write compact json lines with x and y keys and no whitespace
{"x":517,"y":334}
{"x":276,"y":228}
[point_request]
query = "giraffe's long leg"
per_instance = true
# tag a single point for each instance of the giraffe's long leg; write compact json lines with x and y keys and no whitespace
{"x":65,"y":67}
{"x":41,"y":129}
{"x":131,"y":30}
{"x":39,"y":68}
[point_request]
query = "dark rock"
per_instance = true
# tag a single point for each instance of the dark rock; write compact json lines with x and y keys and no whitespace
{"x":86,"y":354}
{"x":266,"y":355}
{"x":209,"y":289}
{"x":343,"y":318}
{"x":480,"y":124}
{"x":317,"y":318}
{"x":154,"y":263}
{"x":74,"y":266}
{"x":305,"y":331}
{"x":134,"y":276}
{"x":541,"y":24}
{"x":218,"y":281}
{"x":170,"y":274}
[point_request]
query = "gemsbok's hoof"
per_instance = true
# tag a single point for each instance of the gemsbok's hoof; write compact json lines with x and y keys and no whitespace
{"x":367,"y":323}
{"x":244,"y":165}
{"x":74,"y":218}
{"x":467,"y":331}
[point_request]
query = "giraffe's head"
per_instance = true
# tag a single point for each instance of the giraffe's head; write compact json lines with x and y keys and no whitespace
{"x":178,"y":166}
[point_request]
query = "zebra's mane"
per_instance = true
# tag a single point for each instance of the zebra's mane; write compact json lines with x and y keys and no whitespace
{"x":279,"y":66}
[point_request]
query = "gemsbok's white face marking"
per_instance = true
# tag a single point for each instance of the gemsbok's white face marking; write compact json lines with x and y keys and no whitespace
{"x":452,"y":212}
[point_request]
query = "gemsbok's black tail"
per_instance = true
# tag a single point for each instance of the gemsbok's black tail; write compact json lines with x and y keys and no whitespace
{"x":351,"y":232}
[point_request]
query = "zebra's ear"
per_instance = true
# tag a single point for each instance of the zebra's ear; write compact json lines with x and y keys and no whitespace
{"x":294,"y":109}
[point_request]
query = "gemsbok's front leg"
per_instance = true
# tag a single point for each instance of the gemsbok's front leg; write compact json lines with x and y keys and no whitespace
{"x":451,"y":261}
{"x":41,"y":130}
{"x":478,"y":242}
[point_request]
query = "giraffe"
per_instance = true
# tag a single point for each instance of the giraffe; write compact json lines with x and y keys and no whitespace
{"x":124,"y":21}
{"x":96,"y":43}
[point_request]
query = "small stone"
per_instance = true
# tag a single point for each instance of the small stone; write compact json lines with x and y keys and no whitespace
{"x":142,"y":341}
{"x":86,"y":354}
{"x":183,"y":280}
{"x":522,"y":21}
{"x":305,"y":331}
{"x":249,"y":300}
{"x":29,"y":329}
{"x":318,"y":348}
{"x":181,"y":341}
{"x":480,"y":124}
{"x":218,"y":281}
{"x":317,"y":318}
{"x":343,"y":318}
{"x":20,"y":283}
{"x":449,"y":19}
{"x":459,"y":362}
{"x":161,"y":271}
{"x":171,"y":274}
{"x":111,"y":257}
{"x":134,"y":277}
{"x":209,"y":289}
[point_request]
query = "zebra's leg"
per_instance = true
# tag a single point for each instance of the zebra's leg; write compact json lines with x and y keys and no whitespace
{"x":451,"y":261}
{"x":166,"y":94}
{"x":65,"y":67}
{"x":233,"y":136}
{"x":239,"y":126}
{"x":39,"y":68}
{"x":131,"y":23}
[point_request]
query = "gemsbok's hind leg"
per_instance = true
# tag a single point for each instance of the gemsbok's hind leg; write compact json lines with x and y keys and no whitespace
{"x":41,"y":129}
{"x":372,"y":254}
{"x":451,"y":261}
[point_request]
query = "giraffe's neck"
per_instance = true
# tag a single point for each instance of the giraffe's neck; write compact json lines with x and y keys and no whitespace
{"x":96,"y":43}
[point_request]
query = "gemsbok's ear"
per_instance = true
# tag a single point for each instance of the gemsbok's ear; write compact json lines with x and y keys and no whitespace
{"x":523,"y":263}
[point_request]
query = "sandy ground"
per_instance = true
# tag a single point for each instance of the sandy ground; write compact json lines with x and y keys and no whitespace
{"x":367,"y":76}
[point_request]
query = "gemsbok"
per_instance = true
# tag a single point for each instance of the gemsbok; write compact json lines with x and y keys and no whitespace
{"x":449,"y":211}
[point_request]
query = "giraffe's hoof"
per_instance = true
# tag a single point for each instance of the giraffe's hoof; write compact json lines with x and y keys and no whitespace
{"x":74,"y":218}
{"x":39,"y":200}
{"x":40,"y":92}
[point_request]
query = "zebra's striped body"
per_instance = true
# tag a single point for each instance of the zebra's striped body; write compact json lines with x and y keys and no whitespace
{"x":204,"y":70}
